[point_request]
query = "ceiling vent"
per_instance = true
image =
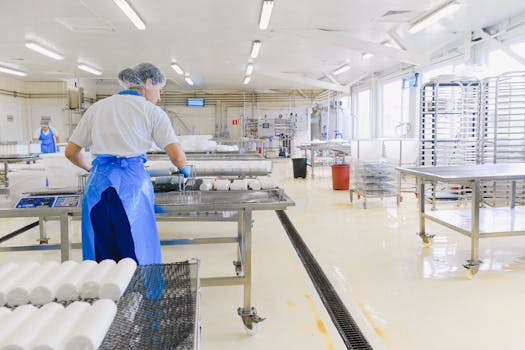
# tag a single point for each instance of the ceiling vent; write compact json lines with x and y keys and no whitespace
{"x":397,"y":16}
{"x":86,"y":24}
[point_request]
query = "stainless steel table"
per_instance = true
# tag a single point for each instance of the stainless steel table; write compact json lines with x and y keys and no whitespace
{"x":187,"y":206}
{"x":475,"y":222}
{"x":7,"y":159}
{"x":339,"y":149}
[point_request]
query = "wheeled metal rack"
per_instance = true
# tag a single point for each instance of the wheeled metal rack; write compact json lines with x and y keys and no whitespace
{"x":503,"y":133}
{"x":450,"y":128}
{"x":374,"y":179}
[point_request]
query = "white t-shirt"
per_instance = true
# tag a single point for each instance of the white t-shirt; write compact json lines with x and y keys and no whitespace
{"x":36,"y":134}
{"x":124,"y":126}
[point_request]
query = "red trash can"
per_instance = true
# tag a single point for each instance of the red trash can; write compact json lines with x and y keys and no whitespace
{"x":340,"y":176}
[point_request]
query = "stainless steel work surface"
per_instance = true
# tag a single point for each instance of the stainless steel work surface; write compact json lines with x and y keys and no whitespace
{"x":197,"y":201}
{"x":462,"y":173}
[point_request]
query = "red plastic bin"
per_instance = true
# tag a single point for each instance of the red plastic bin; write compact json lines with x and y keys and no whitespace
{"x":340,"y":176}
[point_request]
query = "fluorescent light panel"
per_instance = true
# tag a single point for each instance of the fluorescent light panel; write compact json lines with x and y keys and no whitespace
{"x":266,"y":13}
{"x":132,"y":15}
{"x":89,"y":69}
{"x":188,"y":80}
{"x":43,"y":51}
{"x":341,"y":69}
{"x":256,"y":47}
{"x":434,"y":16}
{"x":12,"y":71}
{"x":246,"y":80}
{"x":177,"y":68}
{"x":249,"y":69}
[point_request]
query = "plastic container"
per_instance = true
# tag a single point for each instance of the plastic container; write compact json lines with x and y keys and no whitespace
{"x":299,"y":167}
{"x":340,"y":176}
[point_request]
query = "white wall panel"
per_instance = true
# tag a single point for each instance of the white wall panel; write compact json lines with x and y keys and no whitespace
{"x":11,"y":121}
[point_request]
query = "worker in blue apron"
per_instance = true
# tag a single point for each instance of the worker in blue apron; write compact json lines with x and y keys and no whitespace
{"x":118,"y":217}
{"x":47,"y":137}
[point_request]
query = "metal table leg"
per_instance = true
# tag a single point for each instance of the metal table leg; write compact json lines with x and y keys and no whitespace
{"x":65,"y":237}
{"x":312,"y":160}
{"x":42,"y":228}
{"x":248,"y":313}
{"x":425,"y":237}
{"x":473,"y":264}
{"x":513,"y":195}
{"x":240,"y":239}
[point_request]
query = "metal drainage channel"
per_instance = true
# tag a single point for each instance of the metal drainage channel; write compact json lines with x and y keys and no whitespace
{"x":343,"y":321}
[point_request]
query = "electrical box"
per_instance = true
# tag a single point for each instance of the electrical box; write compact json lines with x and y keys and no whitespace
{"x":75,"y":97}
{"x":266,"y":128}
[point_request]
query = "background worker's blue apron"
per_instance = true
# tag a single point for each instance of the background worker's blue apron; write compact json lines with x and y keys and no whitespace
{"x":118,"y":218}
{"x":48,"y":141}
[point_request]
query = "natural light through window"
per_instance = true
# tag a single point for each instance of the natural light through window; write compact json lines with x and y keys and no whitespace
{"x":392,"y":107}
{"x":363,"y":114}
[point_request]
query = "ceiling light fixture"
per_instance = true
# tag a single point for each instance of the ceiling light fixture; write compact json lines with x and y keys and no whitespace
{"x":266,"y":13}
{"x":43,"y":51}
{"x":246,"y":80}
{"x":12,"y":71}
{"x":89,"y":69}
{"x":341,"y":69}
{"x":249,"y":69}
{"x":177,"y":68}
{"x":132,"y":15}
{"x":391,"y":44}
{"x":434,"y":16}
{"x":188,"y":79}
{"x":367,"y":55}
{"x":256,"y":47}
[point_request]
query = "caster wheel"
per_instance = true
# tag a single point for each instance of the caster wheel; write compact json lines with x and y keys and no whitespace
{"x":427,"y":242}
{"x":252,"y":331}
{"x":469,"y":274}
{"x":471,"y":270}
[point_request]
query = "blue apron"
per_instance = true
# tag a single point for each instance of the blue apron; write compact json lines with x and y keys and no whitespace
{"x":48,"y":141}
{"x":132,"y":184}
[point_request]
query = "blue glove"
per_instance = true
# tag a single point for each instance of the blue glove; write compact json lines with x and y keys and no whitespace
{"x":158,"y":209}
{"x":186,"y":171}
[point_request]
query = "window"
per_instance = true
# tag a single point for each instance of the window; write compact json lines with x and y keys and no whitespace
{"x":499,"y":62}
{"x":392,"y":107}
{"x":363,"y":114}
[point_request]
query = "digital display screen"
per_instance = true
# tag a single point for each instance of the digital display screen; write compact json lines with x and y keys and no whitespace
{"x":67,"y":202}
{"x":266,"y":125}
{"x":195,"y":102}
{"x":36,"y":202}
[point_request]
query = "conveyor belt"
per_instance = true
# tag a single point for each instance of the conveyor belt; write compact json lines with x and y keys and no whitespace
{"x":343,"y":321}
{"x":159,"y":310}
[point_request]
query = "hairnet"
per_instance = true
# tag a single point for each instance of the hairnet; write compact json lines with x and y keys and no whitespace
{"x":137,"y":76}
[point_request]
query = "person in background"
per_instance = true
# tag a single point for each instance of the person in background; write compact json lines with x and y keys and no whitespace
{"x":48,"y":137}
{"x":118,"y":217}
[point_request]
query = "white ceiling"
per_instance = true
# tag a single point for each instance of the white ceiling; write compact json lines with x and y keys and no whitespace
{"x":211,"y":39}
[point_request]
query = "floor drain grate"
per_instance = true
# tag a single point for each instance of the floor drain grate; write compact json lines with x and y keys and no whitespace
{"x":343,"y":321}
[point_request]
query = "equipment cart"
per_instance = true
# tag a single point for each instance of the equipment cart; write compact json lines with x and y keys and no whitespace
{"x":474,"y":222}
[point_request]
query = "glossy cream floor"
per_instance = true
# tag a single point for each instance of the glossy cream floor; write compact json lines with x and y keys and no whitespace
{"x":402,"y":295}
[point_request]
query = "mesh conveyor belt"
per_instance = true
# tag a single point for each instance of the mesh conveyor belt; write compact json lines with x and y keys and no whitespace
{"x":158,"y":309}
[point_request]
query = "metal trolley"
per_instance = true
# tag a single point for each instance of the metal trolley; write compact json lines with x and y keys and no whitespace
{"x":450,"y":118}
{"x":503,"y":133}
